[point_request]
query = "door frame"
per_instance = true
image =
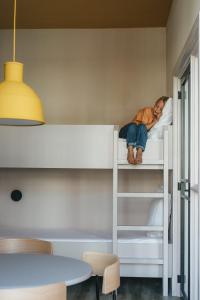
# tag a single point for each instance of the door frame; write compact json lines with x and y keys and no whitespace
{"x":186,"y":78}
{"x":189,"y":55}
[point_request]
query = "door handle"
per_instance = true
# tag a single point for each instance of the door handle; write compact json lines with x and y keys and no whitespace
{"x":185,"y":184}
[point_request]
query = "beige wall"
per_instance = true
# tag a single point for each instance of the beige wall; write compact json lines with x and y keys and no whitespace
{"x":91,"y":76}
{"x":80,"y":199}
{"x":181,"y":19}
{"x":83,"y":77}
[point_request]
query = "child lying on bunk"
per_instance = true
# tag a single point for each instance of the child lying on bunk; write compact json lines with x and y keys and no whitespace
{"x":135,"y":132}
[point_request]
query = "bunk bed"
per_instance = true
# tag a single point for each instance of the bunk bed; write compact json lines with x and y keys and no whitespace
{"x":58,"y":146}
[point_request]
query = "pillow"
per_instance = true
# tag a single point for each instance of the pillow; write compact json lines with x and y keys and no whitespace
{"x":157,"y":131}
{"x":156,"y":215}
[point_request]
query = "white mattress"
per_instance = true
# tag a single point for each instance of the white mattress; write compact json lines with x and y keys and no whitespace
{"x":78,"y":235}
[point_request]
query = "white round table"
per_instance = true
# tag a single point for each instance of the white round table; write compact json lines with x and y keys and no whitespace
{"x":29,"y":270}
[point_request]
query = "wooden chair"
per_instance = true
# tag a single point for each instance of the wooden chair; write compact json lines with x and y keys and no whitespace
{"x":47,"y":292}
{"x":25,"y":246}
{"x":108,"y":266}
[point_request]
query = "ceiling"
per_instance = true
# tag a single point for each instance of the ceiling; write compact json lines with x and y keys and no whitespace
{"x":85,"y":13}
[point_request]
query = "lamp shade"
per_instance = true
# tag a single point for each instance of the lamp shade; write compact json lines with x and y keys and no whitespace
{"x":19,"y":104}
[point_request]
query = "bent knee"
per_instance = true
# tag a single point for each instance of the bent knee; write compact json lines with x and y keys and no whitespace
{"x":132,"y":127}
{"x":143,"y":127}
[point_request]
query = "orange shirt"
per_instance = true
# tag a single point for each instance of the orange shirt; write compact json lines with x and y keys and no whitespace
{"x":144,"y":116}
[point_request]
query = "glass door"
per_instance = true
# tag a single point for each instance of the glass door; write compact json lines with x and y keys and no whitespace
{"x":185,"y":185}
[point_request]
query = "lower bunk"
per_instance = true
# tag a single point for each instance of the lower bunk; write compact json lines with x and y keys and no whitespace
{"x":74,"y":242}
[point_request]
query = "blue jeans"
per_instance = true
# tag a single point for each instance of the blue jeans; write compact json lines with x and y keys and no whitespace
{"x":135,"y":135}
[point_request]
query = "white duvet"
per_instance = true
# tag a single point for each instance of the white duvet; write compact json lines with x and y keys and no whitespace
{"x":157,"y":131}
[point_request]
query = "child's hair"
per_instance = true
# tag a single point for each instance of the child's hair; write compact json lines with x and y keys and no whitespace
{"x":163,"y":98}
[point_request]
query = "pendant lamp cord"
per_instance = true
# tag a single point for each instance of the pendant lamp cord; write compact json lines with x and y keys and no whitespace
{"x":14,"y":31}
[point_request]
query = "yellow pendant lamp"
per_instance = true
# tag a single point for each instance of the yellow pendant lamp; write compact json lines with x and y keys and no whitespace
{"x":19,"y":104}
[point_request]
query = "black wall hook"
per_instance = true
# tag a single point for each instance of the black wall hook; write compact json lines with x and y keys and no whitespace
{"x":16,"y":195}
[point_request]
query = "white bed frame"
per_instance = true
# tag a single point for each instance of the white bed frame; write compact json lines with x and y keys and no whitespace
{"x":74,"y":242}
{"x":58,"y":146}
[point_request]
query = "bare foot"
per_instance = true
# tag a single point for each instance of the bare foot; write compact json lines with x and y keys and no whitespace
{"x":139,"y":156}
{"x":130,"y":156}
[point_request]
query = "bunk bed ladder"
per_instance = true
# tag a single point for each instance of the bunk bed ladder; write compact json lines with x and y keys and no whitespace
{"x":164,"y":165}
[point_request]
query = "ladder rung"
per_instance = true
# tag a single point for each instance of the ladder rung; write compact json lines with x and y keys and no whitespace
{"x":140,"y":261}
{"x":145,"y":162}
{"x":147,"y":166}
{"x":139,"y":228}
{"x":140,"y":195}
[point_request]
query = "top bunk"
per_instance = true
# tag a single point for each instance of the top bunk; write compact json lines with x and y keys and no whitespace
{"x":72,"y":147}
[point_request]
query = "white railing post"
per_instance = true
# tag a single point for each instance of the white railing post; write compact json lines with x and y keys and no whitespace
{"x":115,"y":188}
{"x":165,"y":213}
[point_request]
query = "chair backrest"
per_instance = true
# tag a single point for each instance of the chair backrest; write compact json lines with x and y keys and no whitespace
{"x":47,"y":292}
{"x":106,"y":265}
{"x":99,"y":261}
{"x":25,"y":246}
{"x":111,"y":277}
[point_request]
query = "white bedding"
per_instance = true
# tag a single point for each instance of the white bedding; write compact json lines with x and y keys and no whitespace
{"x":157,"y":131}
